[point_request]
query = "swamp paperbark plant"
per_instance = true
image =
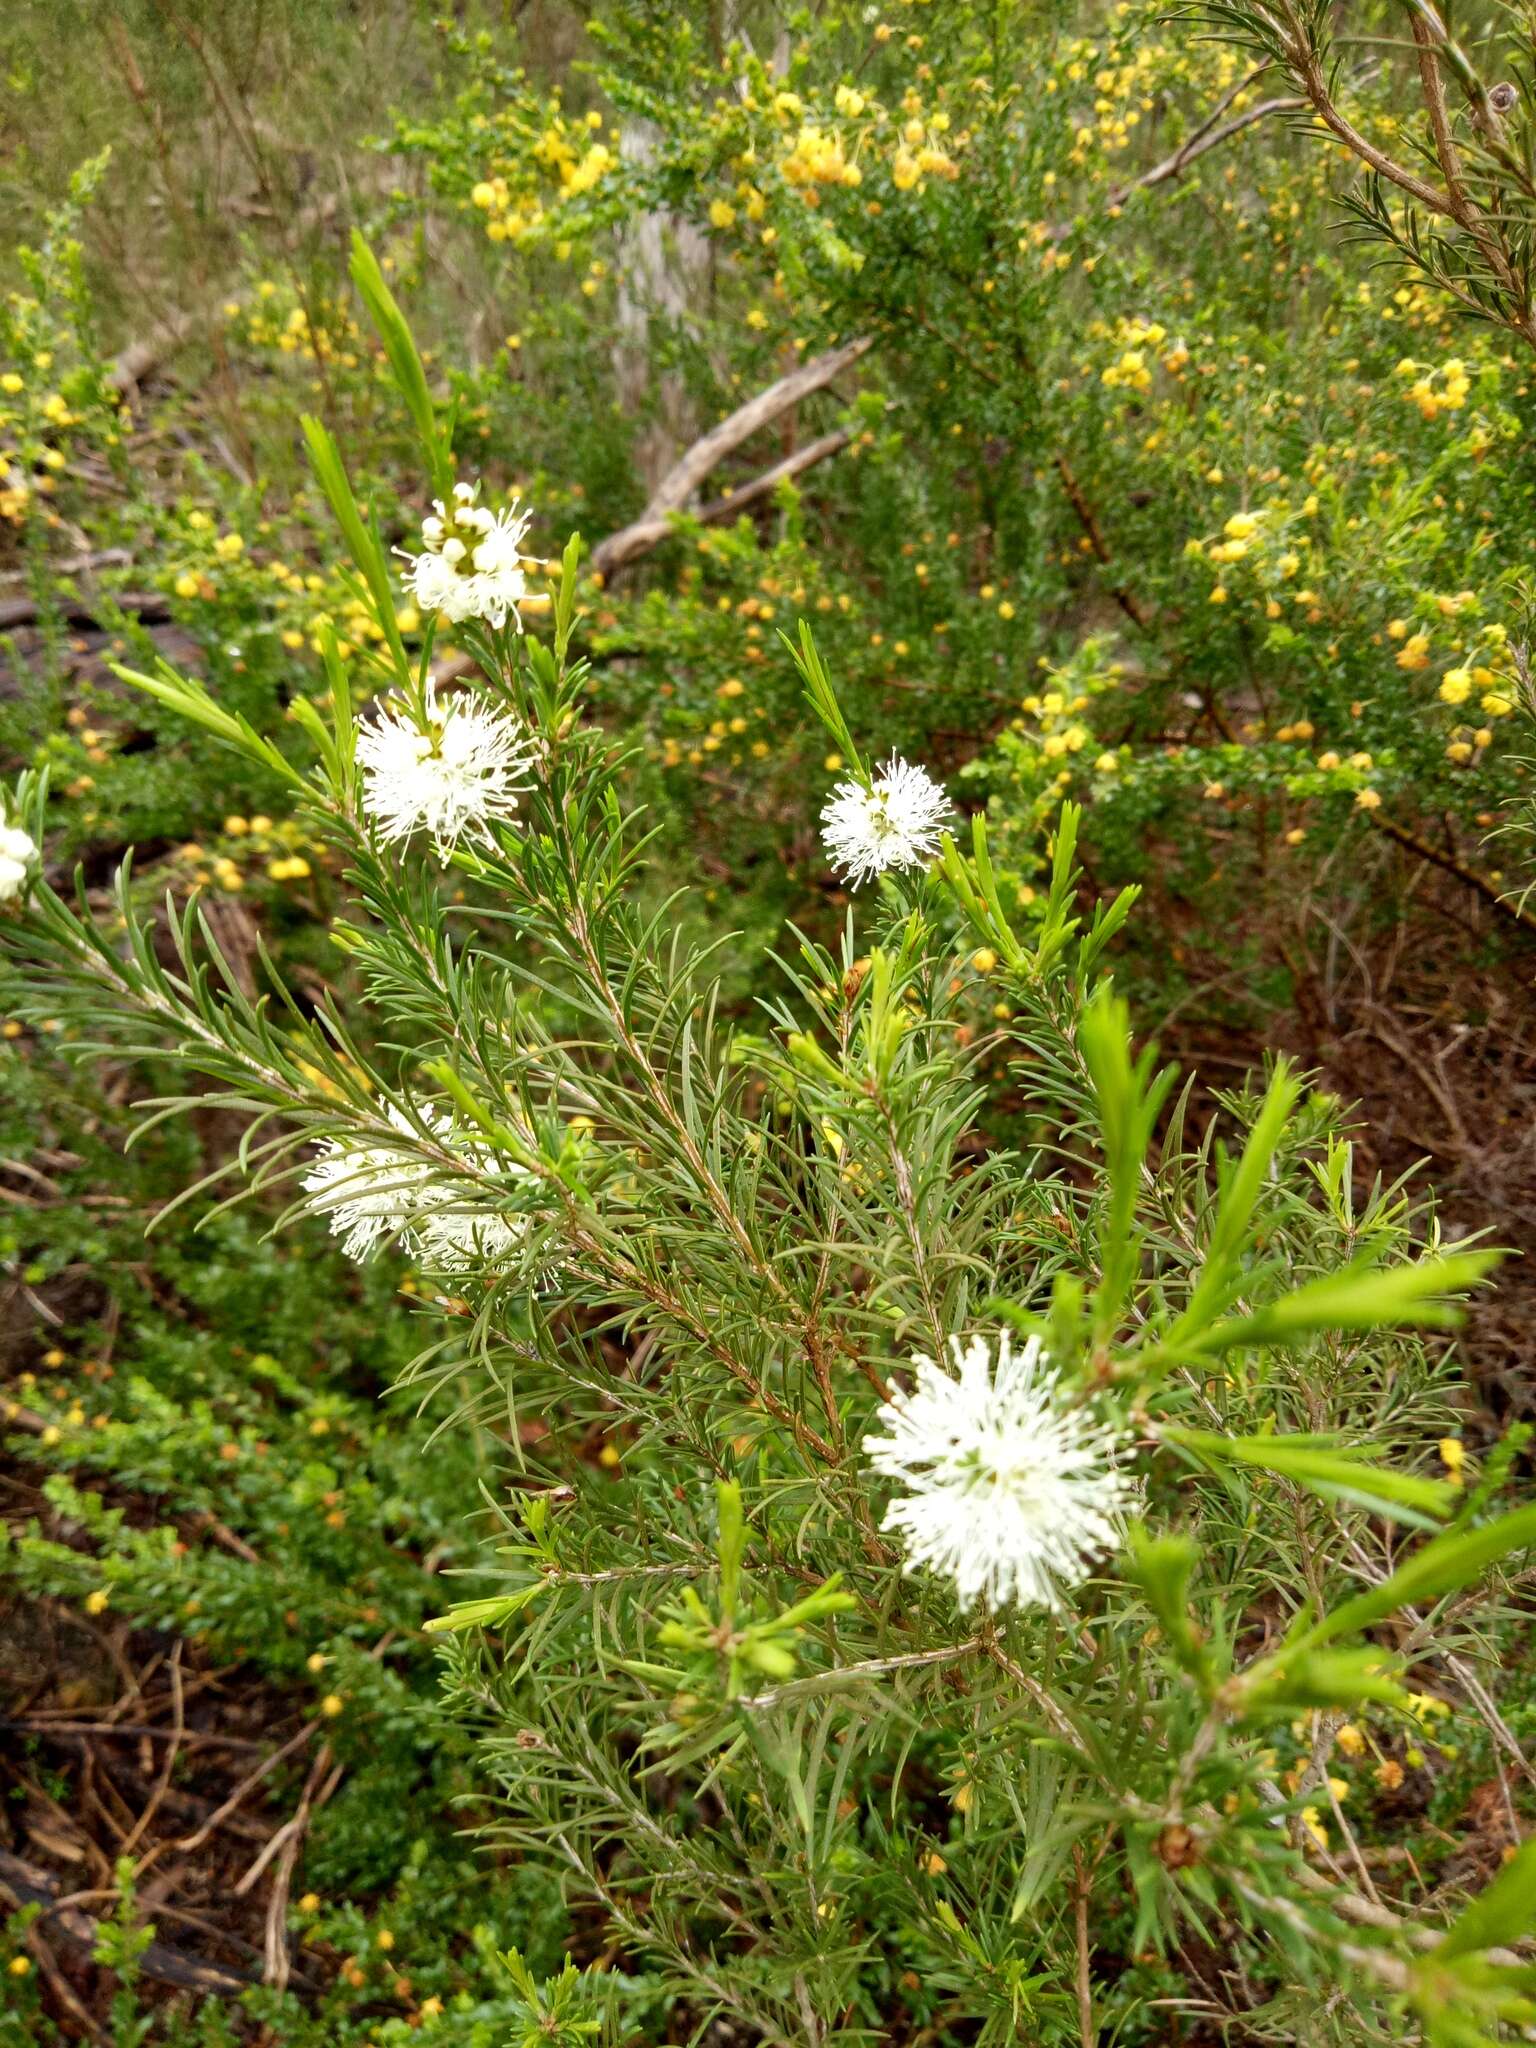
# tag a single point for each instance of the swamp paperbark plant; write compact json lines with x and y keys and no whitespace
{"x":818,"y":1770}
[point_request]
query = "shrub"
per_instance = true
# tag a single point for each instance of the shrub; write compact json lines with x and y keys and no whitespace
{"x":941,"y":1569}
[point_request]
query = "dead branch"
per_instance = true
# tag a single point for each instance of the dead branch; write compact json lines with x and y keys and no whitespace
{"x":147,"y":605}
{"x":1489,"y":891}
{"x":1195,"y":145}
{"x":690,"y":470}
{"x":644,"y":534}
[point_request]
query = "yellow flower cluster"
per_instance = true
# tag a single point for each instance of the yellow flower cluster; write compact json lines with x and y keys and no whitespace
{"x":322,"y":334}
{"x":1125,"y":84}
{"x":1433,"y":390}
{"x":248,"y":844}
{"x":819,"y":158}
{"x":566,"y":151}
{"x":915,"y":141}
{"x":36,"y":415}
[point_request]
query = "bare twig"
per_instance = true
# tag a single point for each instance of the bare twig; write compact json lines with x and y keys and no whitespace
{"x":1204,"y":138}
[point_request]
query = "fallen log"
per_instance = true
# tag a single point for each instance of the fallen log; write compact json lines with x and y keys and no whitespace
{"x":146,"y":605}
{"x":29,"y":1886}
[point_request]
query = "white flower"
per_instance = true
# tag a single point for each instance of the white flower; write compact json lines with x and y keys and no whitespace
{"x":1009,"y":1493}
{"x":894,"y":822}
{"x":368,"y":1191}
{"x":455,"y":1239}
{"x":470,"y":566}
{"x":375,"y":1191}
{"x":453,"y":774}
{"x":17,"y":852}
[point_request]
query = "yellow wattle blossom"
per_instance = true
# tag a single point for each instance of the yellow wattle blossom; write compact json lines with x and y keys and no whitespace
{"x":1455,"y":686}
{"x":1414,"y":652}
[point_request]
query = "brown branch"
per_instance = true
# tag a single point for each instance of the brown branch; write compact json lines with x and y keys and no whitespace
{"x":1446,"y":152}
{"x":247,"y":1785}
{"x":645,"y":533}
{"x":685,"y":475}
{"x":1196,"y":145}
{"x":1087,"y":519}
{"x":1087,"y":2032}
{"x":1303,"y":59}
{"x":1489,"y":891}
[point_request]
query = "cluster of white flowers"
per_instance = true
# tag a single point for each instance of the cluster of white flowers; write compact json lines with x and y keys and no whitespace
{"x":1010,"y":1493}
{"x":449,"y":773}
{"x":471,"y":564}
{"x":376,"y":1192}
{"x":17,"y":853}
{"x":894,"y":821}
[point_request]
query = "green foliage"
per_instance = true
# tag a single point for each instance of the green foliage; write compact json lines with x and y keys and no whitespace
{"x":1184,"y":549}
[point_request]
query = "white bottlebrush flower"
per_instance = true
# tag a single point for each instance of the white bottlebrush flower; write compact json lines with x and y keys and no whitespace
{"x":471,"y":564}
{"x":17,"y":853}
{"x":374,"y":1192}
{"x":457,"y":1238}
{"x":368,"y":1191}
{"x":450,"y":775}
{"x":894,"y":822}
{"x":1009,"y":1493}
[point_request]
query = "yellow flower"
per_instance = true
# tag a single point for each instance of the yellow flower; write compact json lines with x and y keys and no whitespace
{"x":1367,"y":800}
{"x":1453,"y":1456}
{"x":1455,"y":685}
{"x":1414,"y":652}
{"x":721,"y":213}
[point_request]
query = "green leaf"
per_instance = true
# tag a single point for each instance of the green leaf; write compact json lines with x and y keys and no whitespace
{"x":1333,"y":1474}
{"x":192,"y":701}
{"x":1504,"y":1913}
{"x":363,"y":544}
{"x":1364,"y":1296}
{"x":1241,"y":1186}
{"x":1443,"y":1566}
{"x":1162,"y":1566}
{"x":489,"y":1613}
{"x":404,"y":361}
{"x":1320,"y":1678}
